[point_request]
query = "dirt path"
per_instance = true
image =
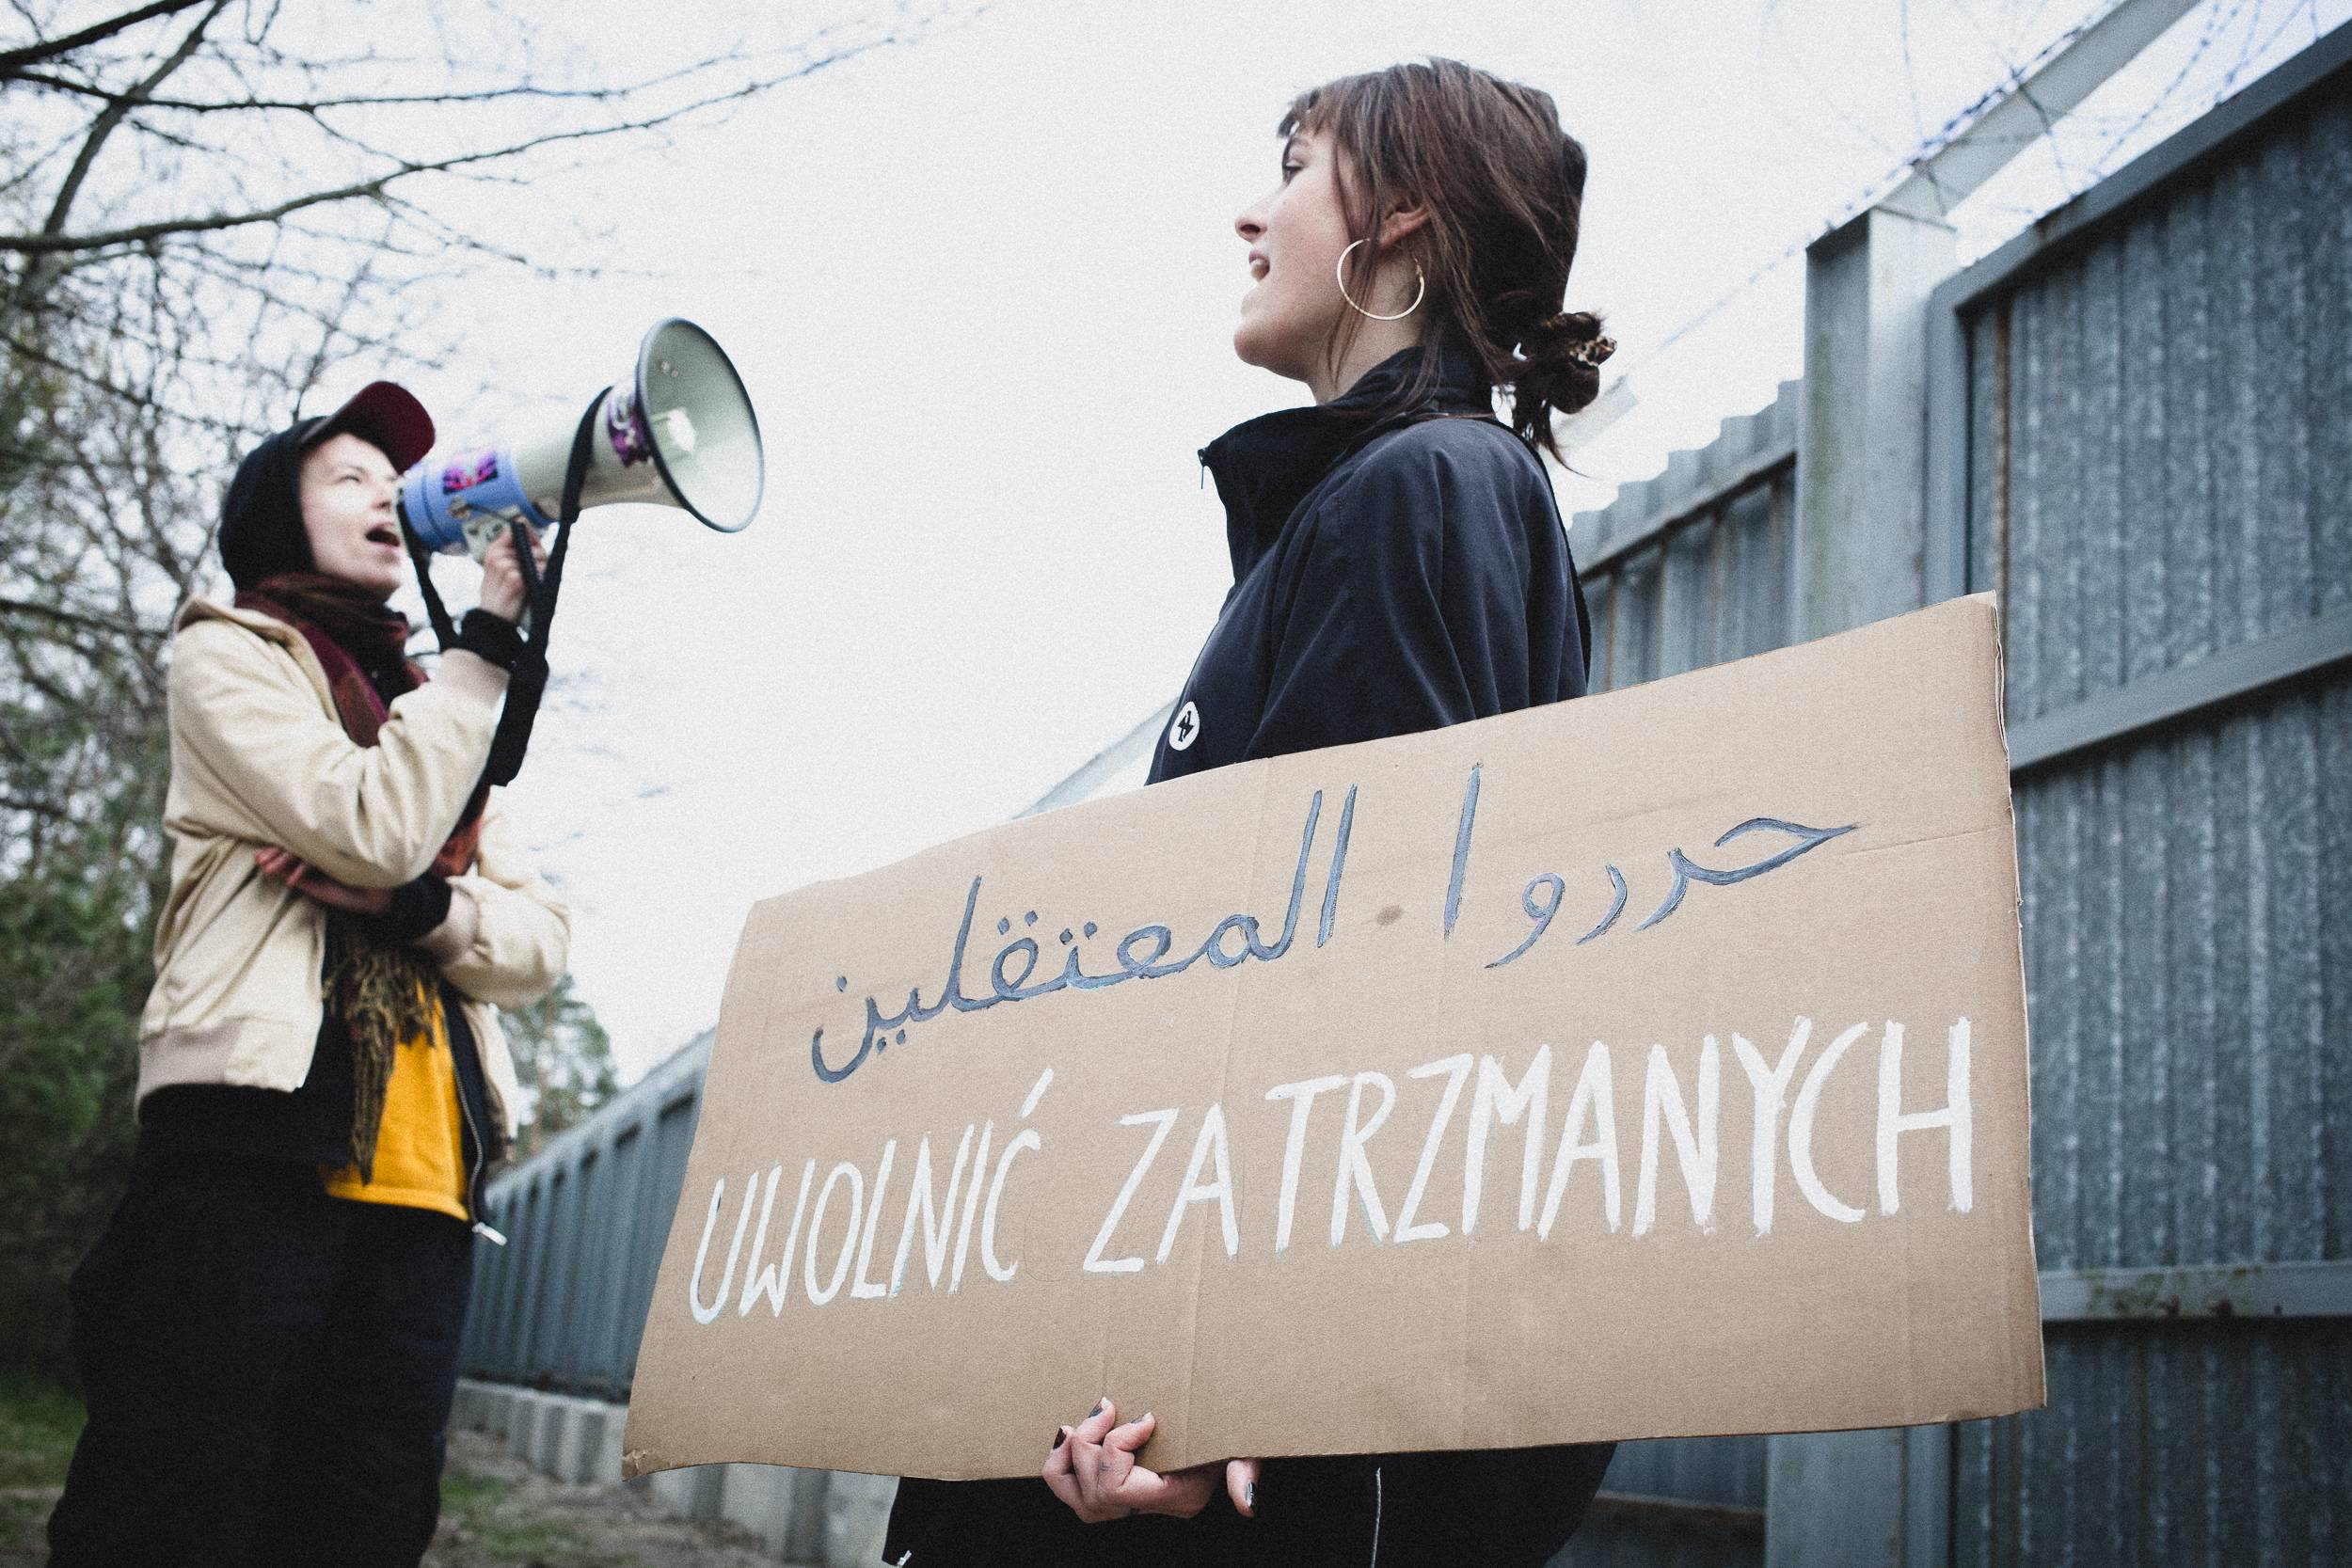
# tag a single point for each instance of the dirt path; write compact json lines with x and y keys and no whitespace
{"x":498,"y":1513}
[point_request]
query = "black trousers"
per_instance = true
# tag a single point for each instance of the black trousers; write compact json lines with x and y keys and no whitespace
{"x":268,"y":1373}
{"x":1508,"y":1508}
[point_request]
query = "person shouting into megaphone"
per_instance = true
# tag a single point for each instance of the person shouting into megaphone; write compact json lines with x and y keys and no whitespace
{"x":267,"y":1331}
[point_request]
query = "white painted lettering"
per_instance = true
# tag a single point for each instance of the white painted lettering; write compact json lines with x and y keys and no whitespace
{"x":774,"y":1279}
{"x":1499,"y":1100}
{"x":1355,"y":1170}
{"x":1662,"y":1105}
{"x":1000,"y":1272}
{"x":1594,"y":1099}
{"x":1801,"y":1130}
{"x":727,"y":1281}
{"x":1956,"y":1118}
{"x":938,"y":1219}
{"x":1159,"y":1121}
{"x":1209,"y":1145}
{"x":861,"y":1287}
{"x":971,"y":1206}
{"x":1302,"y":1097}
{"x":1770,"y":1088}
{"x":817,"y":1296}
{"x":1457,"y":1070}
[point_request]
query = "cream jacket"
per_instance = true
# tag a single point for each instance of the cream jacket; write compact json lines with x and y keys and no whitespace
{"x":260,"y":758}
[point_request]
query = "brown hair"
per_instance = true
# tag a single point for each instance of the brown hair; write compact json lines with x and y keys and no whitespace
{"x":1504,"y":187}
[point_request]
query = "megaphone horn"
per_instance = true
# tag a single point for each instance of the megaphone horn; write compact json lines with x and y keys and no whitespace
{"x":681,"y":432}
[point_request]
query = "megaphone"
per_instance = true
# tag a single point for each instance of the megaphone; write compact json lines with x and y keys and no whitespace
{"x":681,"y":432}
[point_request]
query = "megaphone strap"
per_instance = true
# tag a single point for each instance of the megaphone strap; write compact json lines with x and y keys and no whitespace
{"x":528,"y":682}
{"x":575,"y":480}
{"x":443,"y":630}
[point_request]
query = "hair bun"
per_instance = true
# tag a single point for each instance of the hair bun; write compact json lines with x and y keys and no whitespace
{"x":1571,"y":335}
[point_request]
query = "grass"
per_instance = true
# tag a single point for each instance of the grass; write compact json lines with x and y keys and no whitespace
{"x":39,"y":1424}
{"x":490,"y":1531}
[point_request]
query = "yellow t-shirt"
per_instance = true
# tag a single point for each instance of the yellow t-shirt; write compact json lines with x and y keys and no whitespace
{"x":421,"y":1147}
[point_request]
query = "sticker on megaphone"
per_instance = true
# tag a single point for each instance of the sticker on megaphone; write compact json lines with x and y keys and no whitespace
{"x":681,"y":432}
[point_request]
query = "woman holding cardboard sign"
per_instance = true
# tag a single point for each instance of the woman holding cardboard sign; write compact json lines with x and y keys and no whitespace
{"x":1400,"y":565}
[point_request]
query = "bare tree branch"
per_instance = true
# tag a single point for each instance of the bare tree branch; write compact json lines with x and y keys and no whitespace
{"x":53,"y":243}
{"x":55,"y":616}
{"x":613,"y":93}
{"x":35,"y":276}
{"x":13,"y":60}
{"x":200,"y":223}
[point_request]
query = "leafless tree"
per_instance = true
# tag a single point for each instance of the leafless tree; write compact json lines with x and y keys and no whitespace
{"x":207,"y":206}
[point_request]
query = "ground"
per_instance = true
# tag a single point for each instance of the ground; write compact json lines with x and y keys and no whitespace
{"x":496,"y":1513}
{"x":39,"y":1421}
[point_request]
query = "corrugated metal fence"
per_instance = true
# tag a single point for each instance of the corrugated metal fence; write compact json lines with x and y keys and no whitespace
{"x":563,"y":1304}
{"x":1697,"y":566}
{"x":2154,"y":396}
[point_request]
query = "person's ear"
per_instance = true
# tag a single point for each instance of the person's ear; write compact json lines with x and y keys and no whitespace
{"x":1404,"y":219}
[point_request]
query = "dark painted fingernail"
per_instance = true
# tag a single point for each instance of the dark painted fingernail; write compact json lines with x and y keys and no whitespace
{"x":1249,"y":1495}
{"x":1096,"y":1411}
{"x":1060,"y":1437}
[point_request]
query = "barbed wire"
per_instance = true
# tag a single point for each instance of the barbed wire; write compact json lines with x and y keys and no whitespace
{"x":2015,"y":79}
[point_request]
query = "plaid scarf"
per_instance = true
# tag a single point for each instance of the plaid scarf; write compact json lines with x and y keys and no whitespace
{"x":384,"y":992}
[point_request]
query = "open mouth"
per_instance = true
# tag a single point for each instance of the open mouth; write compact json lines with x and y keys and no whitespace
{"x":384,"y":535}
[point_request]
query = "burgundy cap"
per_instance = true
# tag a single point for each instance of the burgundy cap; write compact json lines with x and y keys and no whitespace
{"x":383,"y":412}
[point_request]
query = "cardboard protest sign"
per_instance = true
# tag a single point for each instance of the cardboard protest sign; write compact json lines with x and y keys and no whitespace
{"x":1647,"y":1064}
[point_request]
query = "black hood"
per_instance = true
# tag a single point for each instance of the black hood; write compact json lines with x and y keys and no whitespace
{"x":260,"y":520}
{"x":1264,"y":466}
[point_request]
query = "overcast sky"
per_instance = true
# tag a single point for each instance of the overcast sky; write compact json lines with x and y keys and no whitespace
{"x":982,"y":287}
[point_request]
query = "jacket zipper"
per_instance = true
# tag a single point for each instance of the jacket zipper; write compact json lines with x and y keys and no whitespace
{"x":481,"y":1160}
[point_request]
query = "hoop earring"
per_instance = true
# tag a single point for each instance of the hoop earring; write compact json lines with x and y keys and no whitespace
{"x":1421,"y":288}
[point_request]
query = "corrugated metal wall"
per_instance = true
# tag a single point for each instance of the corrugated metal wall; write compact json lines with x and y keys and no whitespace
{"x":1691,"y":568}
{"x":2160,"y":440}
{"x":1692,"y":1502}
{"x":1696,"y":566}
{"x":563,"y":1304}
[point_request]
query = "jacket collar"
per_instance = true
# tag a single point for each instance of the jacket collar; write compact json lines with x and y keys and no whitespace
{"x":268,"y":626}
{"x":270,"y":629}
{"x":1267,"y":466}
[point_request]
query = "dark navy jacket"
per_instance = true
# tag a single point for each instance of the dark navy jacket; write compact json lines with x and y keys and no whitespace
{"x":1386,"y":579}
{"x":1389,"y":578}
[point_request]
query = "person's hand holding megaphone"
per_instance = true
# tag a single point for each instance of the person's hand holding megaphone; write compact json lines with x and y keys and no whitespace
{"x":504,"y":588}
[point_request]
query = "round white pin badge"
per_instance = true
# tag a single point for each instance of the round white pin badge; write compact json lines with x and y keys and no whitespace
{"x":1185,"y":730}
